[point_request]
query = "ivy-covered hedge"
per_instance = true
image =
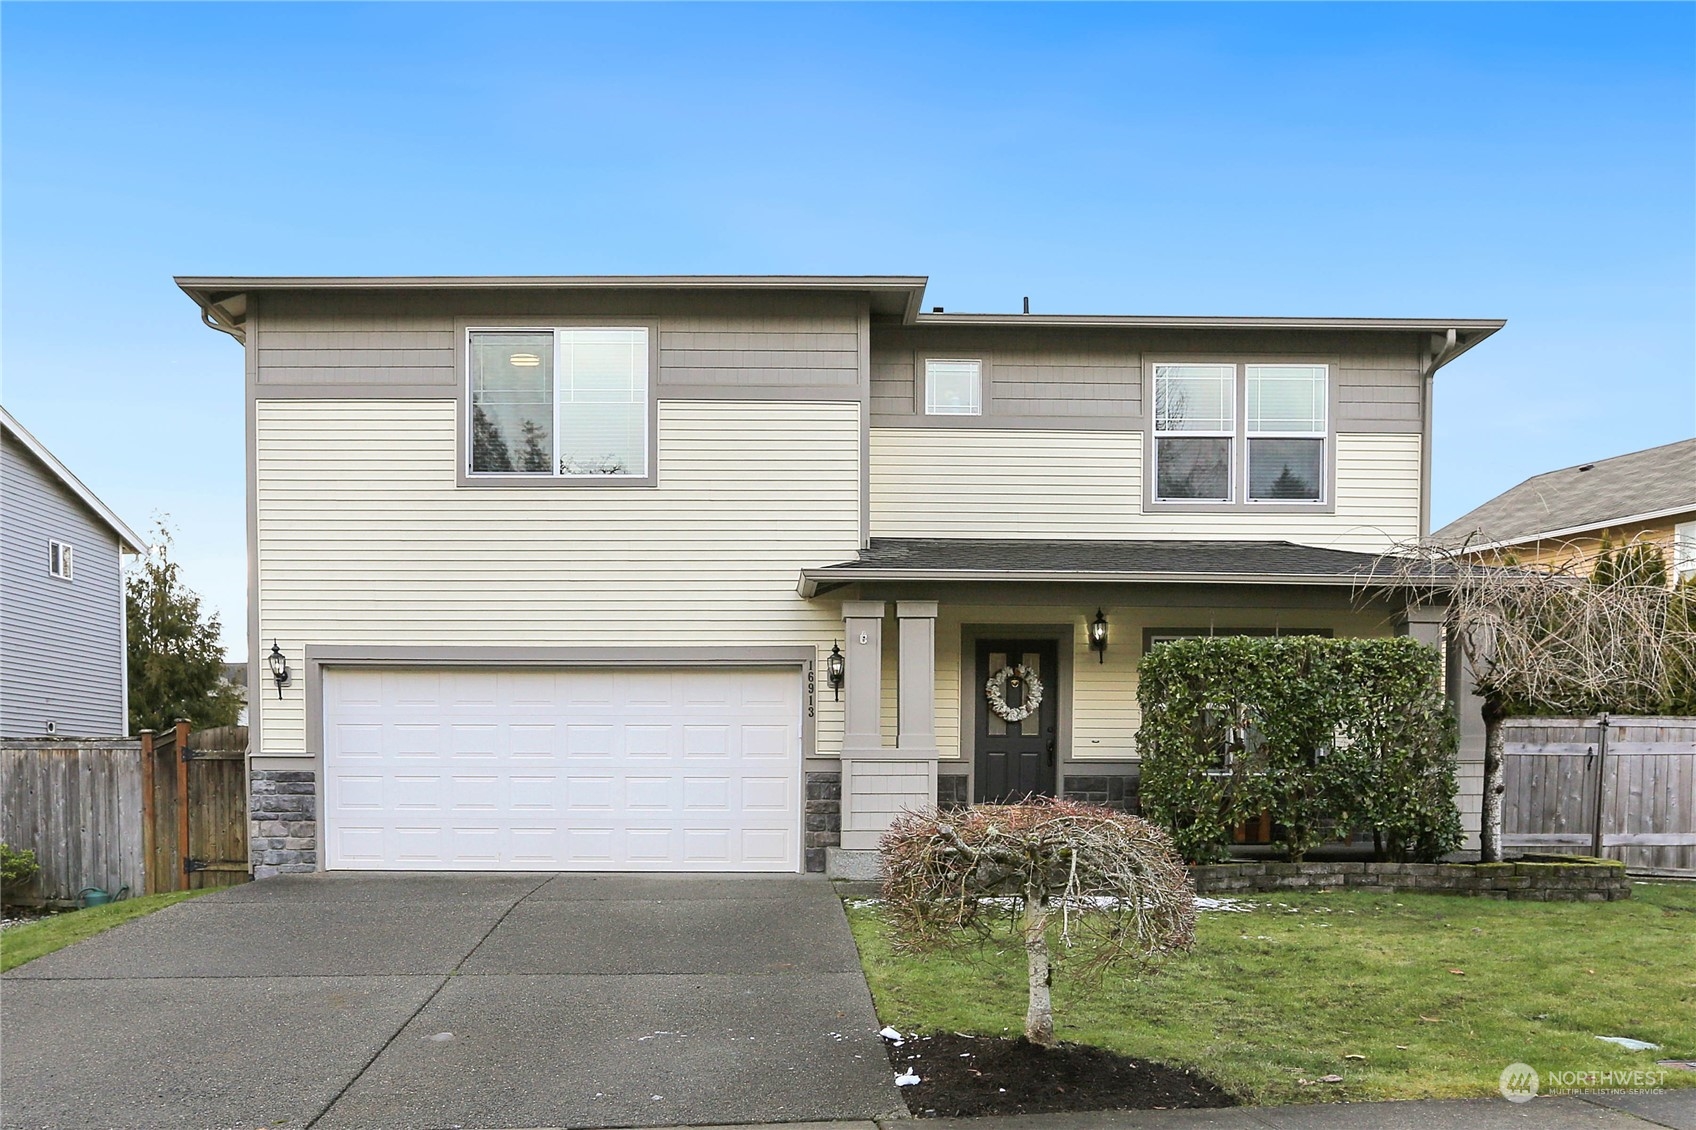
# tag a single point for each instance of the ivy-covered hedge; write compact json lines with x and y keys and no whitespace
{"x":1328,"y":735}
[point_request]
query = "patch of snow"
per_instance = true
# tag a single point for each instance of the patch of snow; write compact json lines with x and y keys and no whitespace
{"x":1630,"y":1044}
{"x":440,"y":1037}
{"x":907,"y":1079}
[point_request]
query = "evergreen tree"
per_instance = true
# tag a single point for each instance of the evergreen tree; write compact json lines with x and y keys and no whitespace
{"x":488,"y":447}
{"x":534,"y":455}
{"x":176,"y":665}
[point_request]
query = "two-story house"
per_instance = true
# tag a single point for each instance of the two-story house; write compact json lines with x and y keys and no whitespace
{"x":718,"y":573}
{"x":63,"y":631}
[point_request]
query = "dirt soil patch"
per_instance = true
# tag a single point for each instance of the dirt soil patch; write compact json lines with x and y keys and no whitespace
{"x":963,"y":1076}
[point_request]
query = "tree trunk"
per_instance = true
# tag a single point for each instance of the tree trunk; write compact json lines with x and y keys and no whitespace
{"x":1039,"y":1015}
{"x":1490,"y":819}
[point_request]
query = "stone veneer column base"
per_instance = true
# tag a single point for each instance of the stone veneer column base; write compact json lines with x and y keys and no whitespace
{"x":853,"y":863}
{"x":824,"y":817}
{"x":282,"y":822}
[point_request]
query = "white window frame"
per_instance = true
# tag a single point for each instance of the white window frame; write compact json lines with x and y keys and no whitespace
{"x":976,"y":407}
{"x":61,"y":560}
{"x":1230,"y":437}
{"x":1683,"y":551}
{"x":1323,"y":435}
{"x":648,"y":474}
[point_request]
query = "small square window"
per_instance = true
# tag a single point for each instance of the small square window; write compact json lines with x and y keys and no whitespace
{"x":953,"y":387}
{"x":59,"y":560}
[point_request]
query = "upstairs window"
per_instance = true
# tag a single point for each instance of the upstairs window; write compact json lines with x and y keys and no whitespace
{"x":59,"y":560}
{"x":1225,"y":433}
{"x":561,"y":403}
{"x":1194,"y":429}
{"x":1286,"y":432}
{"x":953,"y":387}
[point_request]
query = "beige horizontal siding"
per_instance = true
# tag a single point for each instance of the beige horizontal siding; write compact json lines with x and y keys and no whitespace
{"x":1104,"y":715}
{"x":364,"y":538}
{"x":935,"y":482}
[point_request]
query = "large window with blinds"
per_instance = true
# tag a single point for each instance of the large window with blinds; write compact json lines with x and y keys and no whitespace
{"x":562,"y":403}
{"x":1228,"y":433}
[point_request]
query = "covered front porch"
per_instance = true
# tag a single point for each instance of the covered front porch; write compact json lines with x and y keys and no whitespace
{"x":968,"y":681}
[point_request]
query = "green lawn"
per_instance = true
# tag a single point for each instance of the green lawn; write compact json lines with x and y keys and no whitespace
{"x":28,"y":942}
{"x":1288,"y":991}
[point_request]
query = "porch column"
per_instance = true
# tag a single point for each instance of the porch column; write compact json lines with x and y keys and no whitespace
{"x":878,"y":781}
{"x":1424,"y":622}
{"x":916,"y":677}
{"x":863,"y":678}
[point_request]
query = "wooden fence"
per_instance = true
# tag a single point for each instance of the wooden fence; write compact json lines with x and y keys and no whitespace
{"x":78,"y":806}
{"x":196,"y":811}
{"x":1646,"y":768}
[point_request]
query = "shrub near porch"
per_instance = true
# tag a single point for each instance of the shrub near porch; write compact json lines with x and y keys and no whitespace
{"x":1325,"y":735}
{"x":1291,"y":989}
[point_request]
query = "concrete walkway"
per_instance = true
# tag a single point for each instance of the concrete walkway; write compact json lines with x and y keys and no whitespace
{"x":418,"y":1001}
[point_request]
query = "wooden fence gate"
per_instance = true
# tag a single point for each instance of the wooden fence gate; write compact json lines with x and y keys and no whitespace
{"x":1646,"y":768}
{"x":195,"y":823}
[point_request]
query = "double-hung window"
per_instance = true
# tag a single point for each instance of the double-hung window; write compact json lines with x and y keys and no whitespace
{"x":1194,"y":431}
{"x":953,"y":387}
{"x":1225,"y":433}
{"x":566,"y":403}
{"x":1286,"y":432}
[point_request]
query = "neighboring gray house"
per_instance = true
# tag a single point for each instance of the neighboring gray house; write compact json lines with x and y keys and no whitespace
{"x":62,"y":630}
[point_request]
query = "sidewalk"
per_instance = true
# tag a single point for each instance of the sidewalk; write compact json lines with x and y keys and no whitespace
{"x":1672,"y":1110}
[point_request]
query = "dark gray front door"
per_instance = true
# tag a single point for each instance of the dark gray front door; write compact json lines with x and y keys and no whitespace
{"x":1016,"y":759}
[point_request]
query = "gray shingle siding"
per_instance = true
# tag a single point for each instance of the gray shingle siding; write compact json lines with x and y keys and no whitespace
{"x":61,"y":642}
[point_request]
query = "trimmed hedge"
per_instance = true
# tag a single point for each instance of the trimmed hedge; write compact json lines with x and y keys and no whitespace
{"x":1328,"y":735}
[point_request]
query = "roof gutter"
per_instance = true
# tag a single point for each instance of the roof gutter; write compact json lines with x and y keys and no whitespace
{"x":1591,"y":527}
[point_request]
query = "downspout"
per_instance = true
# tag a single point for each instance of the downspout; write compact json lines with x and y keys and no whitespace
{"x":209,"y":314}
{"x":1430,"y":362}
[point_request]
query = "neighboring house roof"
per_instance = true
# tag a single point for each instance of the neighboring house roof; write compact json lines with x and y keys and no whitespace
{"x":1193,"y":562}
{"x":1640,"y":487}
{"x":223,"y":302}
{"x":127,"y":538}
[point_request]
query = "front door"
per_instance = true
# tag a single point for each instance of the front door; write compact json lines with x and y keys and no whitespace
{"x":1016,"y":756}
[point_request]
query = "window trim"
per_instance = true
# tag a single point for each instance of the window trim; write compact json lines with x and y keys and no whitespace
{"x":465,"y":477}
{"x":1240,"y":503}
{"x":1683,"y":551}
{"x":1230,"y":437}
{"x":65,"y":554}
{"x":924,"y":369}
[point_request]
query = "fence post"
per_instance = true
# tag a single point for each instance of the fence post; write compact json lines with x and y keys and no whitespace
{"x":182,"y":804}
{"x":1601,"y":776}
{"x":149,"y":881}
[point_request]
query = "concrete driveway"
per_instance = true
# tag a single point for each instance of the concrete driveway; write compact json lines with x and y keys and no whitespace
{"x":357,"y":1000}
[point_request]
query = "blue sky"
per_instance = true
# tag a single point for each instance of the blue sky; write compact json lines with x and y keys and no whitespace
{"x":1524,"y":161}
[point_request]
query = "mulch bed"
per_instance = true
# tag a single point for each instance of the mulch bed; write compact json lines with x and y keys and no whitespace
{"x":965,"y":1076}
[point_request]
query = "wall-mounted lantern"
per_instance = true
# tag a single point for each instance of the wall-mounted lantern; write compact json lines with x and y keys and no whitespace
{"x":1098,"y":636}
{"x":836,"y":670}
{"x":279,"y":667}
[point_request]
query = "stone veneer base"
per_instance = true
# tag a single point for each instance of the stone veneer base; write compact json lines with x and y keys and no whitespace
{"x":282,"y":822}
{"x":1585,"y":880}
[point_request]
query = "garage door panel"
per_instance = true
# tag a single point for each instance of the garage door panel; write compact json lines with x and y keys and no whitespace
{"x":638,"y":769}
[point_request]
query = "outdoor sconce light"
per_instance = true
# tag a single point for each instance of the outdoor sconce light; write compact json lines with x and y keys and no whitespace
{"x":836,"y":670}
{"x":279,"y":667}
{"x":1098,"y":636}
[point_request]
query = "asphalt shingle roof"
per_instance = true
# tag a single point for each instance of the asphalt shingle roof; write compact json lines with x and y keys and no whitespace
{"x":1583,"y":497}
{"x":1224,"y":558}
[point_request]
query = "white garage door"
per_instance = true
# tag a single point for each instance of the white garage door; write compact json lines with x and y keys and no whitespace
{"x":686,"y":769}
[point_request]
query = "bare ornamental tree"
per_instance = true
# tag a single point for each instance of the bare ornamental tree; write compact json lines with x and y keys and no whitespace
{"x":1119,"y":891}
{"x":1553,"y":639}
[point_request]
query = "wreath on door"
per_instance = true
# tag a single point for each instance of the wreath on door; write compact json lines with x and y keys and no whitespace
{"x":996,"y":692}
